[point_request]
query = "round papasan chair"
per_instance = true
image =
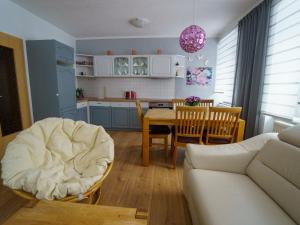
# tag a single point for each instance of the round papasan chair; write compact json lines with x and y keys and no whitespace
{"x":58,"y":159}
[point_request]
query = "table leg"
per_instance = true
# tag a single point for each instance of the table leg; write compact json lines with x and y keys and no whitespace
{"x":146,"y":142}
{"x":240,"y":131}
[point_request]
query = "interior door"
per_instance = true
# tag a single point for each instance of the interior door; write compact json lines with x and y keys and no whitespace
{"x":14,"y":104}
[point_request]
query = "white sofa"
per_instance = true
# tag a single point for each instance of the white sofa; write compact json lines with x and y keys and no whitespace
{"x":254,"y":182}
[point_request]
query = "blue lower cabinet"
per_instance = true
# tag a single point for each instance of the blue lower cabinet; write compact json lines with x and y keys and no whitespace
{"x":120,"y":118}
{"x":134,"y":119}
{"x":69,"y":113}
{"x":100,"y":115}
{"x":81,"y":114}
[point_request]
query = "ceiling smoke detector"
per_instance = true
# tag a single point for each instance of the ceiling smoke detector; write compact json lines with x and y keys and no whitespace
{"x":139,"y":22}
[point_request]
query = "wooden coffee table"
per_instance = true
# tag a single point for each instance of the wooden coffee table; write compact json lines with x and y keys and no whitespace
{"x":65,"y":213}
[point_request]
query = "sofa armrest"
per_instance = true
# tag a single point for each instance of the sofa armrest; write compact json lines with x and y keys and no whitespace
{"x":232,"y":158}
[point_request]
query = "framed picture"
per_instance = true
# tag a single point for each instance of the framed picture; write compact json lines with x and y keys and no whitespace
{"x":201,"y":76}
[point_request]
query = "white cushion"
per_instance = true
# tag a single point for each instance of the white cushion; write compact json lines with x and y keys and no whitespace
{"x":291,"y":135}
{"x":221,"y":198}
{"x":57,"y":157}
{"x":276,"y":169}
{"x":228,"y":158}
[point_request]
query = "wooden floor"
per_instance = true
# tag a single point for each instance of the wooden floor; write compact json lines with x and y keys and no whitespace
{"x":157,"y":188}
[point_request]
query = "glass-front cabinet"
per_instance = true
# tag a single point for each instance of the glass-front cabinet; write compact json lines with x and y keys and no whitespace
{"x":121,"y":65}
{"x":140,"y":66}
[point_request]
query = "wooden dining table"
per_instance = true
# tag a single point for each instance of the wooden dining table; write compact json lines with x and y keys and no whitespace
{"x":168,"y":117}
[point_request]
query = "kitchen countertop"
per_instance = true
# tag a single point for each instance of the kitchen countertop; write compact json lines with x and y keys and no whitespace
{"x":123,"y":99}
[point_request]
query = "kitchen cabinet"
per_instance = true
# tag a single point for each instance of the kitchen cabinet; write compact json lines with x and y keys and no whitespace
{"x":135,"y":122}
{"x":120,"y":115}
{"x":155,"y":66}
{"x":100,"y":114}
{"x":66,"y":90}
{"x":121,"y":65}
{"x":82,"y":114}
{"x":115,"y":115}
{"x":52,"y":79}
{"x":64,"y":54}
{"x":103,"y":65}
{"x":84,"y":65}
{"x":161,"y":66}
{"x":140,"y":66}
{"x":68,"y":113}
{"x":120,"y":118}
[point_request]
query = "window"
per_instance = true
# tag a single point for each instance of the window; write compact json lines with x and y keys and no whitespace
{"x":226,"y":64}
{"x":281,"y":90}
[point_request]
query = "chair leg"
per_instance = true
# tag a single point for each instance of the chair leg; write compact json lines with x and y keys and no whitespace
{"x":172,"y":144}
{"x":166,"y":147}
{"x":174,"y":157}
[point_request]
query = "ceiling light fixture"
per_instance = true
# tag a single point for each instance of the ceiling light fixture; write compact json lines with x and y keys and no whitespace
{"x":139,"y":22}
{"x":192,"y":38}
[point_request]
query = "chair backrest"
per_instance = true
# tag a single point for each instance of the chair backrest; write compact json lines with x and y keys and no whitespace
{"x":206,"y":103}
{"x":222,"y":123}
{"x":178,"y":102}
{"x":139,"y":111}
{"x":190,"y":121}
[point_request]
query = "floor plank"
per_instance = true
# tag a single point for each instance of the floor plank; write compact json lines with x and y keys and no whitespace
{"x":157,"y":188}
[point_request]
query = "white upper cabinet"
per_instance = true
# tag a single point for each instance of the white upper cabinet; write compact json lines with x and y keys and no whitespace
{"x":140,"y":65}
{"x":121,"y":65}
{"x":156,"y":66}
{"x":161,"y":66}
{"x":103,"y":65}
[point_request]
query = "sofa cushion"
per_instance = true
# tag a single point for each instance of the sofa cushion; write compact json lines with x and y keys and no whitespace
{"x":222,"y":198}
{"x":291,"y":135}
{"x":227,"y":158}
{"x":276,"y":169}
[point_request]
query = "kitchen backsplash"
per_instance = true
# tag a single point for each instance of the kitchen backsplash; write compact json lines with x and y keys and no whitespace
{"x":115,"y":87}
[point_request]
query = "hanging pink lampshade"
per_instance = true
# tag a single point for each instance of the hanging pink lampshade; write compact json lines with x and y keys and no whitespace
{"x":192,"y":39}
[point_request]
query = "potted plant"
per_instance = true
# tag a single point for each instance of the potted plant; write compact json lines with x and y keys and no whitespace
{"x":192,"y":101}
{"x":79,"y":93}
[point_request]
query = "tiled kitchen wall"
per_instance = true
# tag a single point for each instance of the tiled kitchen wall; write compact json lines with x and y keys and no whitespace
{"x":115,"y":87}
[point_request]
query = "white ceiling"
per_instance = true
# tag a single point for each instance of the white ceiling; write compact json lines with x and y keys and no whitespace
{"x":109,"y":18}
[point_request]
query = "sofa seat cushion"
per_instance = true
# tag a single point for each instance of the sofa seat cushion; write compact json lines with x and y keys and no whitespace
{"x":222,"y":198}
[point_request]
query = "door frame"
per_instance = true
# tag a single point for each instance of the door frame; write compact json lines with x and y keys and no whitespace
{"x":17,"y":45}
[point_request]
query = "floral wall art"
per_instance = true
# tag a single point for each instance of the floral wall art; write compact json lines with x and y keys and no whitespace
{"x":201,"y":76}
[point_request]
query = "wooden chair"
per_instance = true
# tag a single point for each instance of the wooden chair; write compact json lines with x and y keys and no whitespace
{"x":222,"y":125}
{"x":178,"y":102}
{"x":189,"y":127}
{"x":206,"y":103}
{"x":156,"y":131}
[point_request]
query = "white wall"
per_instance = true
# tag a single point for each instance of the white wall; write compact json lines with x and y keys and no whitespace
{"x":19,"y":22}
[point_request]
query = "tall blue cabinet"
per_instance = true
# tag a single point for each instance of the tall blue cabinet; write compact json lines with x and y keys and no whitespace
{"x":52,"y":79}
